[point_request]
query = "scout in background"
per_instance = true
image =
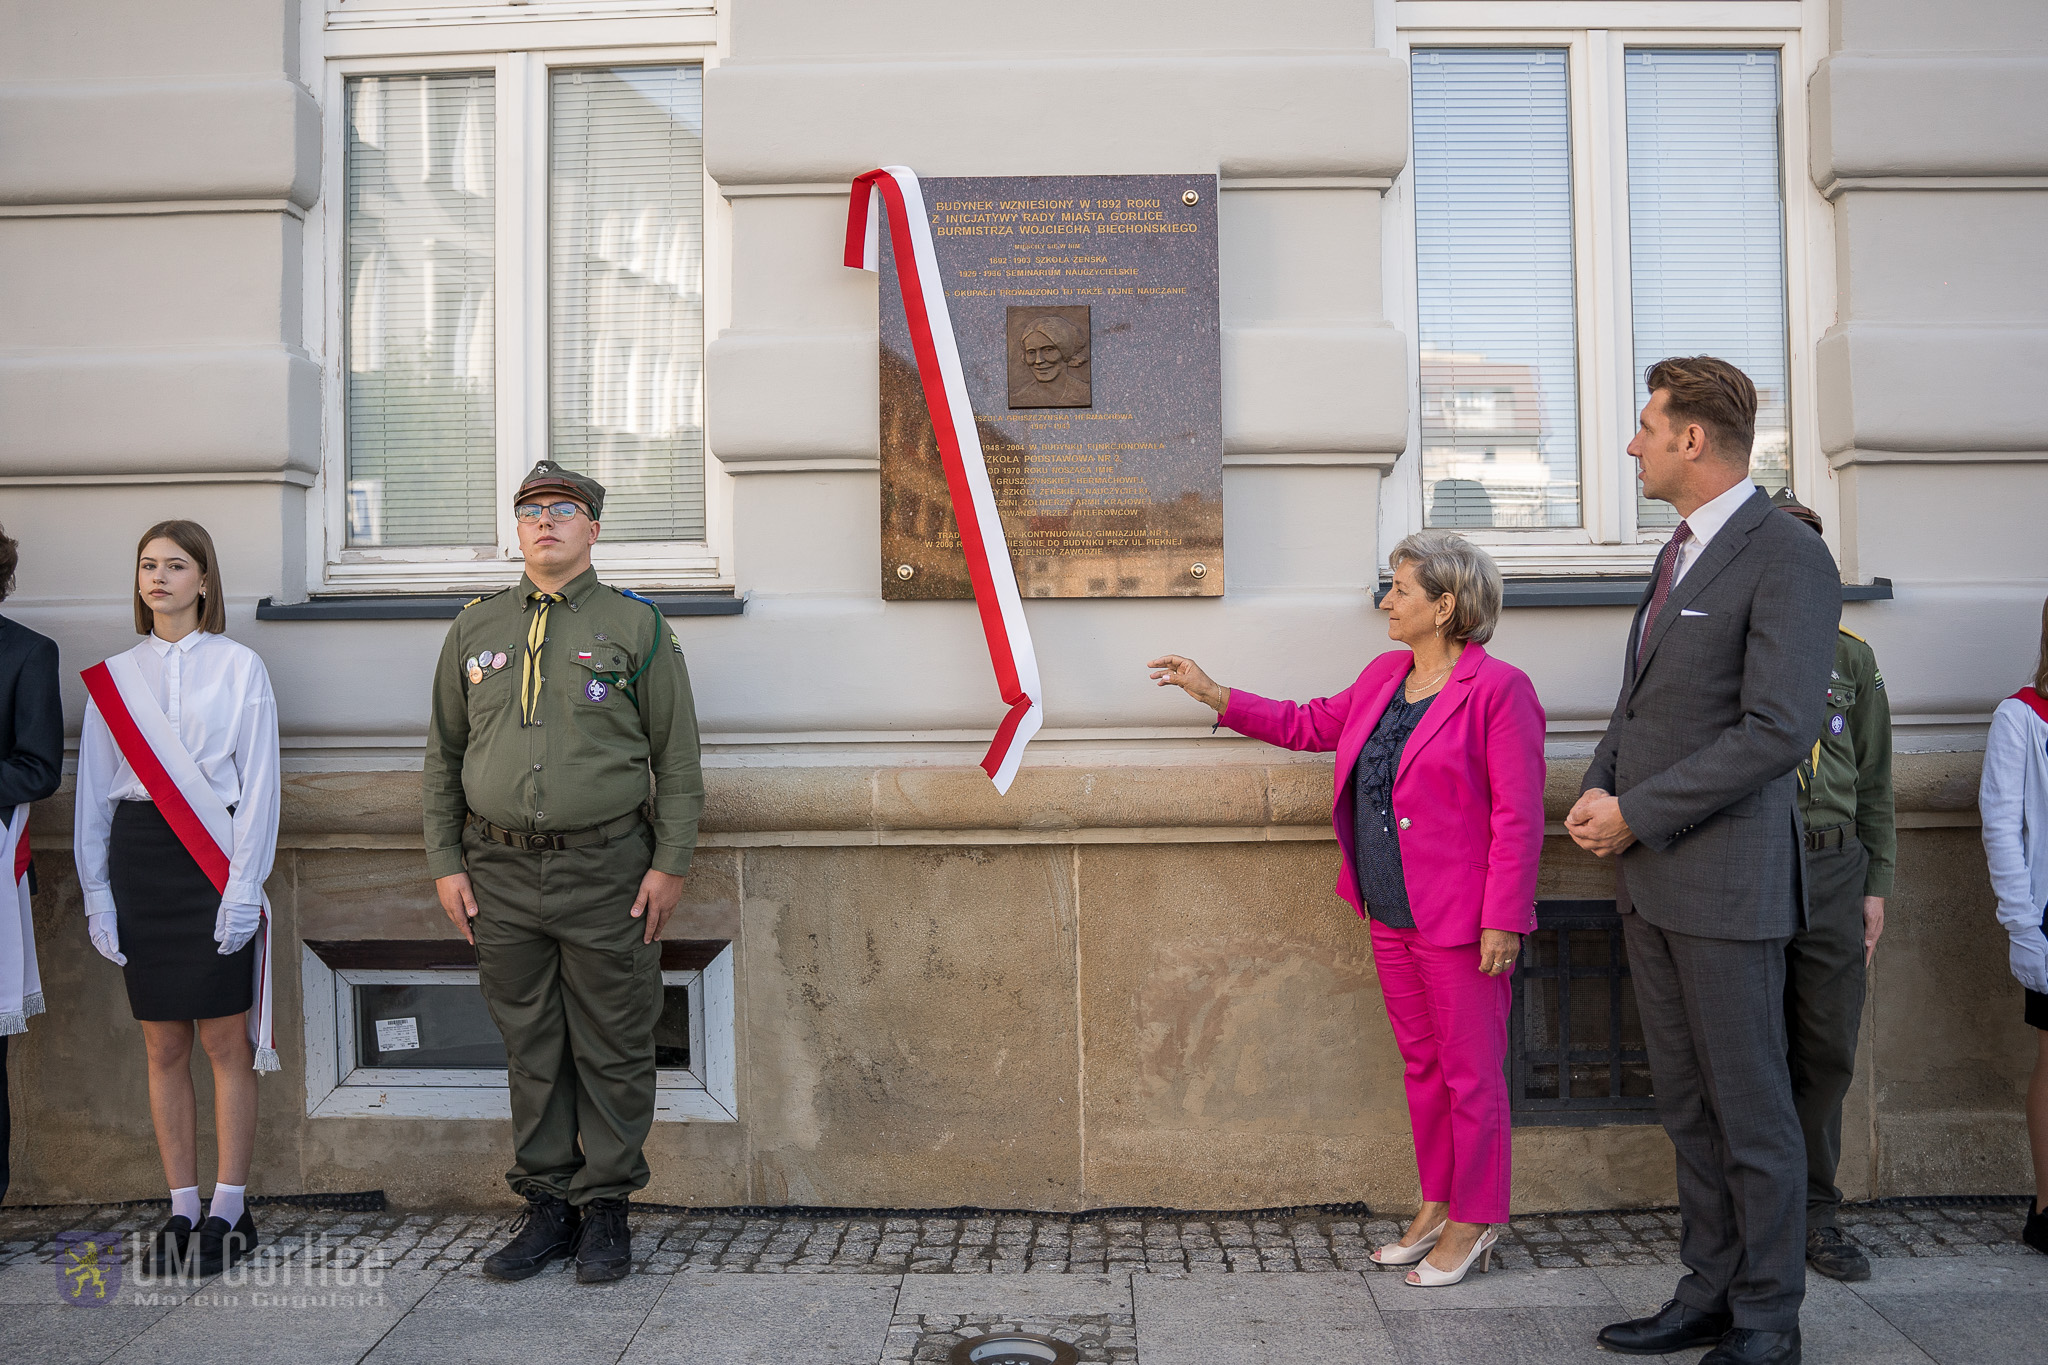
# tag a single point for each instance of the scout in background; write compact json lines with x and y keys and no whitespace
{"x":553,"y":705}
{"x":31,"y":766}
{"x":1845,"y":798}
{"x":175,"y":831}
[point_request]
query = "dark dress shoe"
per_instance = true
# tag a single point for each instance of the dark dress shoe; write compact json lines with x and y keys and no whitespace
{"x":2035,"y":1233}
{"x":170,"y":1251}
{"x":1748,"y":1346}
{"x":1673,"y":1327}
{"x":1835,"y":1256}
{"x":545,"y":1229}
{"x":221,"y":1246}
{"x":605,"y":1250}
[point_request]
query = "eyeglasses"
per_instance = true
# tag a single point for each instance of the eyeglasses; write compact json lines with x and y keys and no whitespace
{"x":554,"y":511}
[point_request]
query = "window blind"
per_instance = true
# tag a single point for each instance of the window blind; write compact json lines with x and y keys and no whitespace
{"x":1498,"y":330}
{"x":420,"y":436}
{"x":626,"y":246}
{"x":1706,"y":217}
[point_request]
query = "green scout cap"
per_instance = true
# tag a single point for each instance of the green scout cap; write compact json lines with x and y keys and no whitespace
{"x":549,"y":477}
{"x":1785,"y":502}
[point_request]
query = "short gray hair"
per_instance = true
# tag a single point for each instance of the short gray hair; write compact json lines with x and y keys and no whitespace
{"x":1446,"y":562}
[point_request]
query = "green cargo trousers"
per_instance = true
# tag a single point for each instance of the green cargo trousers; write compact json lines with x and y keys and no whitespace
{"x":1823,"y":1011}
{"x":576,"y":995}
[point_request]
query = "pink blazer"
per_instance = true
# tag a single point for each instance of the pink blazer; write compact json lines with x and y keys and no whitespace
{"x":1468,"y":794}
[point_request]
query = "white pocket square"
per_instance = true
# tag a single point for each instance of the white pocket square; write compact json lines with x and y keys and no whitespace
{"x":1688,"y":611}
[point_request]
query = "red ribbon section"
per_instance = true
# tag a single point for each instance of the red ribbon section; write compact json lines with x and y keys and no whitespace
{"x":177,"y":811}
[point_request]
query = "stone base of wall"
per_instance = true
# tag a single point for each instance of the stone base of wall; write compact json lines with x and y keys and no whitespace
{"x":1074,"y":1011}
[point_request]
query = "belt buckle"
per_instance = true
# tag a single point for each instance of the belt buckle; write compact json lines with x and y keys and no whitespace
{"x":540,"y":843}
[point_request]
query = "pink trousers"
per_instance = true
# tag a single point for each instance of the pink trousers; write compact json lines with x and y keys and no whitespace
{"x":1451,"y":1022}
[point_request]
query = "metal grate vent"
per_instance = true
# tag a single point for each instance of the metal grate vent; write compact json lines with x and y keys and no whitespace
{"x":1577,"y":1052}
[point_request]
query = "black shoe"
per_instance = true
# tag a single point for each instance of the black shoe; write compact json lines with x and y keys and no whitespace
{"x":545,"y":1229}
{"x":221,"y":1246}
{"x":2035,"y":1233}
{"x":1835,"y":1256}
{"x":1671,"y":1328}
{"x":605,"y":1250}
{"x":170,"y":1251}
{"x":1748,"y":1346}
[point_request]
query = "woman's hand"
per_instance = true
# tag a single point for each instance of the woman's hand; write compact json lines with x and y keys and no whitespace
{"x":1498,"y":950}
{"x":1171,"y":670}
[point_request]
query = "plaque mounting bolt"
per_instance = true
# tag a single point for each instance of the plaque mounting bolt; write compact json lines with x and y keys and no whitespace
{"x":904,"y":571}
{"x":1199,"y":570}
{"x":1190,"y":198}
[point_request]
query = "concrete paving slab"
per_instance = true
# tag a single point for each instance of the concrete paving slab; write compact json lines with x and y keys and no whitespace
{"x":1836,"y":1327}
{"x":1027,"y":1295}
{"x":1527,"y":1288}
{"x":58,"y":1334}
{"x":1964,"y":1311}
{"x":742,"y":1320}
{"x":484,"y":1336}
{"x":234,"y":1318}
{"x":553,"y":1288}
{"x":1255,"y":1319}
{"x":1507,"y":1336}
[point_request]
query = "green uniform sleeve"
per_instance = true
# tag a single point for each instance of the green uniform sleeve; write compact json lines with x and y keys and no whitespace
{"x":441,"y":774}
{"x":1870,"y":724}
{"x":669,"y":713}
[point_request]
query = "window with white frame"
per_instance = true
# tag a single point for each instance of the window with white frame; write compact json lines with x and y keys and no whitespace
{"x":516,"y":266}
{"x":390,"y":1032}
{"x":1580,"y":203}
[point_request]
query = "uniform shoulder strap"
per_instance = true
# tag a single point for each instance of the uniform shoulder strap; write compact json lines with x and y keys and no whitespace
{"x":1852,"y":635}
{"x":485,"y":597}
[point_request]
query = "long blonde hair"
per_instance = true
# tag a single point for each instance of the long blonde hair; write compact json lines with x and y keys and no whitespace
{"x":2041,"y":664}
{"x":190,"y":537}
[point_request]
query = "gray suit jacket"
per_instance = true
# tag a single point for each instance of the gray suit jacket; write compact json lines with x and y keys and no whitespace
{"x":1711,"y":723}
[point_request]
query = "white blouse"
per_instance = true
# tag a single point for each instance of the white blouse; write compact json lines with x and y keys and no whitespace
{"x":216,"y":694}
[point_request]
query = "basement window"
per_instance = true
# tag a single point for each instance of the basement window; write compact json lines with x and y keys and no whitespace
{"x":399,"y":1028}
{"x":1577,"y":1056}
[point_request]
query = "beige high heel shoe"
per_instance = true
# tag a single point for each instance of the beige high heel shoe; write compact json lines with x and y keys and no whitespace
{"x":1393,"y":1253}
{"x":1429,"y":1277}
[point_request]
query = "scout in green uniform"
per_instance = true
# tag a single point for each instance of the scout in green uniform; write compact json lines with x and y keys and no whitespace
{"x":1846,"y":801}
{"x":562,"y":794}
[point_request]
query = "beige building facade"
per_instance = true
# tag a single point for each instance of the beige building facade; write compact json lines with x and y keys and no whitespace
{"x":327,"y":275}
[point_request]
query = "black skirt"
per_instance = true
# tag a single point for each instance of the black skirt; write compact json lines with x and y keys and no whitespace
{"x":165,"y":908}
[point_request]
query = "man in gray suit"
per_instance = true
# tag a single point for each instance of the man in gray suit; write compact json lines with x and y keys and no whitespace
{"x":1692,"y":791}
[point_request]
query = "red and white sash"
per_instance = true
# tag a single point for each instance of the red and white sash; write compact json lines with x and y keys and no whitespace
{"x":21,"y":985}
{"x":188,"y":803}
{"x":945,"y":394}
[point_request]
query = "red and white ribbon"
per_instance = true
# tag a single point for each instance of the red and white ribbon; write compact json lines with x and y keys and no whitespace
{"x":21,"y":985}
{"x":189,"y":805}
{"x":945,"y":393}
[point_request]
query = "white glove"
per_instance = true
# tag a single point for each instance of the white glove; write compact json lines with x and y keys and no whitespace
{"x":106,"y":937}
{"x":2030,"y":958}
{"x":235,"y":925}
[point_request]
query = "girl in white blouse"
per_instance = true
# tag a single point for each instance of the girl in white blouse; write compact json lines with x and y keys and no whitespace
{"x":189,"y":951}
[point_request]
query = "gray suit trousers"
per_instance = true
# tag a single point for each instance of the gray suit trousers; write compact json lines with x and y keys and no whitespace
{"x":1713,"y":1013}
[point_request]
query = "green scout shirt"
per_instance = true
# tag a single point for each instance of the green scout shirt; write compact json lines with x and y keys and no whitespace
{"x":1848,"y":776}
{"x":588,"y":757}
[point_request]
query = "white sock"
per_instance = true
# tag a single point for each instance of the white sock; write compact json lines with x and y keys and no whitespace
{"x":185,"y":1203}
{"x":226,"y":1203}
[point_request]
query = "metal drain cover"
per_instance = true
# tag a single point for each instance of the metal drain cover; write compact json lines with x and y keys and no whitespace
{"x":1014,"y":1348}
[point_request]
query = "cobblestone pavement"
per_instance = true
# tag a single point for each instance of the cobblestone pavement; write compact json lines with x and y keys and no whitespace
{"x":667,"y":1241}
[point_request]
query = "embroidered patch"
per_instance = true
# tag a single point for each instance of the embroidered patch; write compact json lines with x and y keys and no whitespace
{"x":675,"y":642}
{"x":595,"y":690}
{"x":582,"y":656}
{"x":1836,"y":725}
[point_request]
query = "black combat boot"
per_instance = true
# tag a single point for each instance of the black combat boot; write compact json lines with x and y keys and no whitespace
{"x":605,"y":1250}
{"x":1835,"y":1256}
{"x":545,"y":1229}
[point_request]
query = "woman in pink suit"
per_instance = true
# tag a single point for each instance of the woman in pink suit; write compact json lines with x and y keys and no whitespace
{"x":1439,"y":814}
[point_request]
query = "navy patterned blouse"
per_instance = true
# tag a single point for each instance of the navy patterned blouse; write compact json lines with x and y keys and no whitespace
{"x":1376,"y":849}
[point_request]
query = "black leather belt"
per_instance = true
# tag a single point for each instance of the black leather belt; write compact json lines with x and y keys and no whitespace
{"x":1835,"y":837}
{"x":537,"y":841}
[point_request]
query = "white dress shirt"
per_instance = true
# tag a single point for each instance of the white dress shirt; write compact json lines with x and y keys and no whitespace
{"x":216,"y":695}
{"x":1706,"y":522}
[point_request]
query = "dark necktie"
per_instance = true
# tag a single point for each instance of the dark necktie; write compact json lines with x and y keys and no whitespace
{"x":1667,"y":574}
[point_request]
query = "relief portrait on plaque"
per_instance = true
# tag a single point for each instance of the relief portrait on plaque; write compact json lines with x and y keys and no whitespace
{"x":1049,"y":357}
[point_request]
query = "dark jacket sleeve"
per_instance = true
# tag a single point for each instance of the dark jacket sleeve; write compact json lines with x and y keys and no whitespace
{"x":1870,"y":722}
{"x":35,"y":766}
{"x":1787,"y":653}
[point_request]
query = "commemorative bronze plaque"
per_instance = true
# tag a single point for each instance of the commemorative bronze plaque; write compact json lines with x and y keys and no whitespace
{"x":1084,"y":308}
